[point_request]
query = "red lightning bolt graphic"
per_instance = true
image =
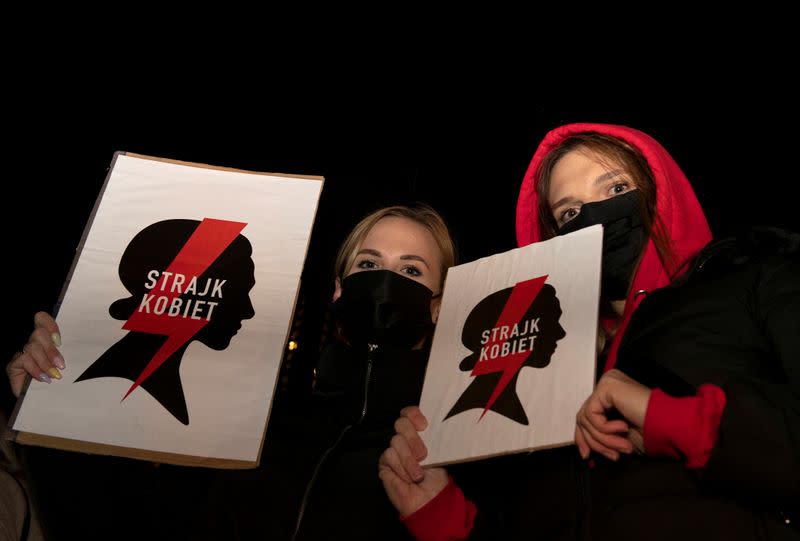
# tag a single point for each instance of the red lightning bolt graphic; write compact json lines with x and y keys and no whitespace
{"x":517,"y":304}
{"x":208,"y":241}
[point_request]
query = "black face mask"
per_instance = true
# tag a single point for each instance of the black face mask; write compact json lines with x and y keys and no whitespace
{"x":623,"y":239}
{"x":383,"y":308}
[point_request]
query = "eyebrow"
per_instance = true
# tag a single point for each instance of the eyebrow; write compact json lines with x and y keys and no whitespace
{"x":407,"y":257}
{"x":599,"y":180}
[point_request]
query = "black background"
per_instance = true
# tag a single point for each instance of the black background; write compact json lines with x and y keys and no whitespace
{"x":449,"y":135}
{"x":462,"y":149}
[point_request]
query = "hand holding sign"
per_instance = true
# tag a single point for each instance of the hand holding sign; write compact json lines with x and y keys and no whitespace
{"x":407,"y":484}
{"x":594,"y":431}
{"x":39,"y":357}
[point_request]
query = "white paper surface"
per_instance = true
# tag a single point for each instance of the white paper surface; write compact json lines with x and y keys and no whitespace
{"x":550,"y":395}
{"x":227,"y":392}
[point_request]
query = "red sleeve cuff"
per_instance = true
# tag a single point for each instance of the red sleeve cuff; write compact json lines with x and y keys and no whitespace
{"x":447,"y":517}
{"x":684,"y":427}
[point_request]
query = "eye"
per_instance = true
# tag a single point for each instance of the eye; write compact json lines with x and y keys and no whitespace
{"x":412,"y":270}
{"x":619,"y":188}
{"x":367,"y":264}
{"x":568,"y":215}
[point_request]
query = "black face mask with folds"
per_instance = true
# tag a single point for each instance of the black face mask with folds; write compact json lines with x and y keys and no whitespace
{"x":623,"y":239}
{"x":384,"y":308}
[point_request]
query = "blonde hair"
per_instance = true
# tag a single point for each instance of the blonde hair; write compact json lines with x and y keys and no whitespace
{"x":420,"y":213}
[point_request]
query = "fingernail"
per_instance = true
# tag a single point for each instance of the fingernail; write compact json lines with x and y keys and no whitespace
{"x":54,"y":372}
{"x":59,"y":362}
{"x":44,"y":378}
{"x":56,"y":339}
{"x":418,"y":474}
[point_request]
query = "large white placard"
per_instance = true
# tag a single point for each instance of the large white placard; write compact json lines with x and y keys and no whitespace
{"x":177,"y":310}
{"x":514,"y":352}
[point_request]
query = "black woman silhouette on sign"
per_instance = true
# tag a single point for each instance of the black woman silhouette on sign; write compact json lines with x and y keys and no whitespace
{"x":530,"y":338}
{"x":188,"y":281}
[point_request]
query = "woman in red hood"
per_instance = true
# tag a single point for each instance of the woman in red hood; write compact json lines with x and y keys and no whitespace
{"x":699,"y":349}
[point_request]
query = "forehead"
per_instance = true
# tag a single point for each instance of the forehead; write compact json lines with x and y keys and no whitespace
{"x":394,"y":234}
{"x":578,"y":168}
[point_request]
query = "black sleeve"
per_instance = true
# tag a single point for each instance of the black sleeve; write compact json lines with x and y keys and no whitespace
{"x":474,"y":479}
{"x":758,"y":450}
{"x":526,"y":492}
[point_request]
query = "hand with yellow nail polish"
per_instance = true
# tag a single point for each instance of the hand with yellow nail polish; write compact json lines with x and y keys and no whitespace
{"x":39,"y":357}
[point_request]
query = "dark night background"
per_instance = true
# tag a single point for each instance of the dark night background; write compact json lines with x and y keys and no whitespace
{"x":377,"y":141}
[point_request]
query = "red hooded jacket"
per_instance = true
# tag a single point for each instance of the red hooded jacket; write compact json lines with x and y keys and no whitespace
{"x":676,"y":205}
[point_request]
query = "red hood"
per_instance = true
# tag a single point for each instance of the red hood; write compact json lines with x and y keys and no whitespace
{"x":676,"y":205}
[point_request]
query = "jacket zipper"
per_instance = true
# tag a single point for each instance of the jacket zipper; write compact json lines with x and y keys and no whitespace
{"x":329,"y":450}
{"x":372,"y":348}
